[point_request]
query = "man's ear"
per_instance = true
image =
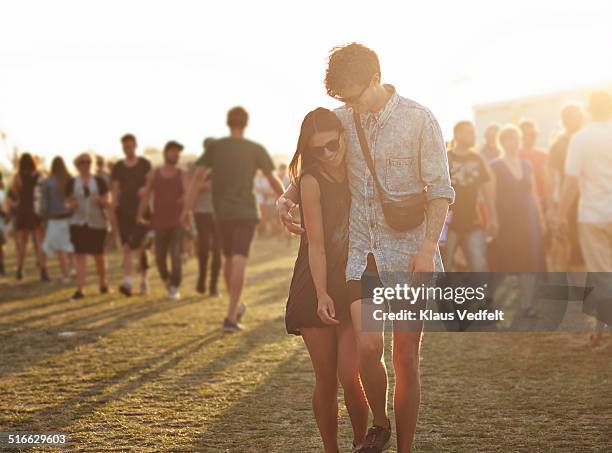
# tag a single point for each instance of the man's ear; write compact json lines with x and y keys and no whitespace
{"x":376,"y":79}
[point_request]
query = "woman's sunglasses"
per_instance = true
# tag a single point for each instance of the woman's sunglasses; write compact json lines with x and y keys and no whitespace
{"x":319,"y":151}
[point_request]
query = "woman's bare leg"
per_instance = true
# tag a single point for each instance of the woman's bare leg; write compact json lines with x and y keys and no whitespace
{"x":100,"y":261}
{"x":322,"y":344}
{"x":81,"y":268}
{"x":348,"y":373}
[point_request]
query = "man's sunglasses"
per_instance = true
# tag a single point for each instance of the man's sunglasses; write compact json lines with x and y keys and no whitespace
{"x":319,"y":151}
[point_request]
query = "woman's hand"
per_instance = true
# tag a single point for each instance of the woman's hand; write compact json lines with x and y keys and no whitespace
{"x":326,"y":310}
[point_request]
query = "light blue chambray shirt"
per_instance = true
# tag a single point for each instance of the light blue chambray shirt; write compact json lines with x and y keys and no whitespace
{"x":395,"y":135}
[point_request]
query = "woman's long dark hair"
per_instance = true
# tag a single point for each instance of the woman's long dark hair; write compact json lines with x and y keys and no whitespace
{"x":59,"y":170}
{"x":318,"y":120}
{"x":27,"y":165}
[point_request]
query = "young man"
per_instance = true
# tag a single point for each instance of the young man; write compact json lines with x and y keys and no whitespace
{"x":406,"y":145}
{"x":470,"y":178}
{"x":588,"y":172}
{"x":234,"y":160}
{"x":128,"y":181}
{"x":572,"y":118}
{"x":167,"y":185}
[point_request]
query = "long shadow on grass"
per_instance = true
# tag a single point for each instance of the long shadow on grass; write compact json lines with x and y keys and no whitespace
{"x":271,"y":417}
{"x":85,"y":403}
{"x":42,"y":344}
{"x":266,"y":332}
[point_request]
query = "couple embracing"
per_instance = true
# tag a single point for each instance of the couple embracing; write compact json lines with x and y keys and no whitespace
{"x":372,"y":183}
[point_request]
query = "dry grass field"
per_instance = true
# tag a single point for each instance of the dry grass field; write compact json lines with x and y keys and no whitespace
{"x":147,"y":374}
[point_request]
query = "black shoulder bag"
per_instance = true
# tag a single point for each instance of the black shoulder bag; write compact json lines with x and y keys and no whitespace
{"x":402,"y":215}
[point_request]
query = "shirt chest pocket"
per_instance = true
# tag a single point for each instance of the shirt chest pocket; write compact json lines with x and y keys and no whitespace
{"x":399,"y":171}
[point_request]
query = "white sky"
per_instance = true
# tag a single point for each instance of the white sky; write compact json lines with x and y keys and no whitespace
{"x":76,"y":75}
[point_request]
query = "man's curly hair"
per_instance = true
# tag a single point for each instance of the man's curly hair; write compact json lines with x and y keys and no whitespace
{"x":350,"y":64}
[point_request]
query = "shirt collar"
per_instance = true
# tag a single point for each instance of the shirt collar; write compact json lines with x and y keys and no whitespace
{"x":382,"y":116}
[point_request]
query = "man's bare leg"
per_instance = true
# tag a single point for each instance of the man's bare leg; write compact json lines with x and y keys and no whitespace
{"x":236,"y":283}
{"x":370,"y":349}
{"x":407,"y":394}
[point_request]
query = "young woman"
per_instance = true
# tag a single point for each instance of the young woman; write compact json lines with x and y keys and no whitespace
{"x":318,"y":303}
{"x":88,"y":198}
{"x":519,"y":245}
{"x":57,"y":215}
{"x":27,"y":221}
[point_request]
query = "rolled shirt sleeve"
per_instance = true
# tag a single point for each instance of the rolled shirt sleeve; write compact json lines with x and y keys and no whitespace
{"x":434,"y":161}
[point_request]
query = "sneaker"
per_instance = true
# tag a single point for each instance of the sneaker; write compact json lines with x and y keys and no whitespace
{"x":44,"y":275}
{"x":242,"y":308}
{"x":104,"y":289}
{"x":377,"y":440}
{"x":230,"y":327}
{"x":78,"y":294}
{"x":125,"y":290}
{"x":174,"y":293}
{"x":144,"y":286}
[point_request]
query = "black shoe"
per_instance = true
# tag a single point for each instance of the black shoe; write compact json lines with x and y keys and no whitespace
{"x":214,"y":292}
{"x":44,"y":275}
{"x":125,"y":290}
{"x":230,"y":327}
{"x":19,"y":274}
{"x":78,"y":294}
{"x":377,"y":440}
{"x":103,"y":289}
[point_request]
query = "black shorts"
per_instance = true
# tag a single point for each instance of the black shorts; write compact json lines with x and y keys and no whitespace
{"x":130,"y":232}
{"x":87,"y":241}
{"x":236,"y":236}
{"x":370,"y":311}
{"x":364,"y":288}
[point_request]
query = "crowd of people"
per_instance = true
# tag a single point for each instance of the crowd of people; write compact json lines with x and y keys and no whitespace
{"x":374,"y":181}
{"x":141,"y":207}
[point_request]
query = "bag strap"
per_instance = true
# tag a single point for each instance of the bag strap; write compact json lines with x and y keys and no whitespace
{"x":365,"y":149}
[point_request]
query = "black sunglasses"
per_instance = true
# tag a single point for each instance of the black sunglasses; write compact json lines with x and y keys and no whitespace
{"x":319,"y":151}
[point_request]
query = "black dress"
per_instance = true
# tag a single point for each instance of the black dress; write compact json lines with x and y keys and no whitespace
{"x":302,"y":303}
{"x":26,"y":218}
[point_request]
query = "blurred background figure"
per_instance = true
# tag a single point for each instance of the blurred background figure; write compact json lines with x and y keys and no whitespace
{"x":208,"y":237}
{"x":570,"y":257}
{"x":3,"y":224}
{"x":128,"y":180}
{"x":166,"y":186}
{"x":27,"y":221}
{"x":88,"y":198}
{"x":519,"y":244}
{"x":490,"y":151}
{"x":101,"y":170}
{"x":588,"y":173}
{"x":538,"y":158}
{"x":470,"y":178}
{"x":57,"y":215}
